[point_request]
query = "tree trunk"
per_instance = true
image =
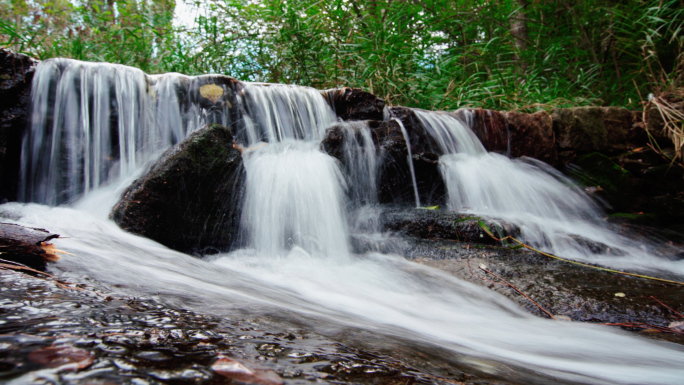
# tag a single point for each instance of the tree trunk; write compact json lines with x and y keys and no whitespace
{"x":519,"y":31}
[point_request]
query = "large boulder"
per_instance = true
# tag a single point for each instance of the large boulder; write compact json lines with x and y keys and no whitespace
{"x":16,"y":75}
{"x":190,"y":199}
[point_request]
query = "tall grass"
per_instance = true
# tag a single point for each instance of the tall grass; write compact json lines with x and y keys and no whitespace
{"x":435,"y":54}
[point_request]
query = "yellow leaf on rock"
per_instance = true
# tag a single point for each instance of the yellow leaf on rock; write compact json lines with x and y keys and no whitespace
{"x":211,"y":92}
{"x":428,"y":208}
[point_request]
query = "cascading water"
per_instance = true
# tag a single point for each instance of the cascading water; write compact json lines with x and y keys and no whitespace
{"x":294,"y":198}
{"x":276,"y":112}
{"x":360,"y":163}
{"x":551,"y":212}
{"x":95,"y":121}
{"x":297,"y":263}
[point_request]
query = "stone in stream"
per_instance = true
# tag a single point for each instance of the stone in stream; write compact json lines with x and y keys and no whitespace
{"x":190,"y":199}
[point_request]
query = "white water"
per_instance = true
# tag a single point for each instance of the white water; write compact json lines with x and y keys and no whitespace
{"x":278,"y":112}
{"x":552,"y":213}
{"x":291,"y":186}
{"x":297,"y":265}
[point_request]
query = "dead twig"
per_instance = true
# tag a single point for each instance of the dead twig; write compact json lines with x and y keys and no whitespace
{"x":482,"y":278}
{"x":671,"y":309}
{"x":511,"y":286}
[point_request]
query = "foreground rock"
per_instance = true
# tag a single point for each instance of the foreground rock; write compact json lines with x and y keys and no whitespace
{"x":189,"y":200}
{"x":16,"y":75}
{"x":444,"y":225}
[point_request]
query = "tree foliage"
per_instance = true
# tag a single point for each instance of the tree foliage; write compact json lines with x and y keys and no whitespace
{"x":437,"y":54}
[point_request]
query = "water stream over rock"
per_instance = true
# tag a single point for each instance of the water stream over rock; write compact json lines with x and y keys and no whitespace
{"x":294,"y":265}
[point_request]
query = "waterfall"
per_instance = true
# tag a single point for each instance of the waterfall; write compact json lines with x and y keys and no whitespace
{"x":294,"y":199}
{"x":93,"y":123}
{"x":360,"y":163}
{"x":551,"y":212}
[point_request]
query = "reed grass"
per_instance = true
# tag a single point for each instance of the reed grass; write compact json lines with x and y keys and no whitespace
{"x":433,"y":54}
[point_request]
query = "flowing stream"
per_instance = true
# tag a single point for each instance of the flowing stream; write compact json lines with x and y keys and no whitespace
{"x":551,"y":212}
{"x":296,"y":265}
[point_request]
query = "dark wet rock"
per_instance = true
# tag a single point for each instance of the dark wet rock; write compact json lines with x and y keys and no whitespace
{"x":394,"y":179}
{"x":215,"y":94}
{"x":190,"y":199}
{"x":355,"y":104}
{"x":445,"y":225}
{"x":490,"y":127}
{"x":620,"y":126}
{"x":639,"y":186}
{"x":580,"y":129}
{"x":420,"y":141}
{"x":431,"y":188}
{"x":395,"y":184}
{"x":532,"y":135}
{"x":27,"y":246}
{"x":332,"y":143}
{"x":16,"y":75}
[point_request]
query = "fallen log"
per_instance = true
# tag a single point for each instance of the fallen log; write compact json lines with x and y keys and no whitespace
{"x":27,"y":246}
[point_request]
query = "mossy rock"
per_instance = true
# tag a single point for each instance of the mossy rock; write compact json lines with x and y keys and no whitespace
{"x":190,"y":199}
{"x":581,"y":129}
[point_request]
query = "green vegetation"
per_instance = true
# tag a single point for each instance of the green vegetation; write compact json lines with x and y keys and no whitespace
{"x":435,"y":54}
